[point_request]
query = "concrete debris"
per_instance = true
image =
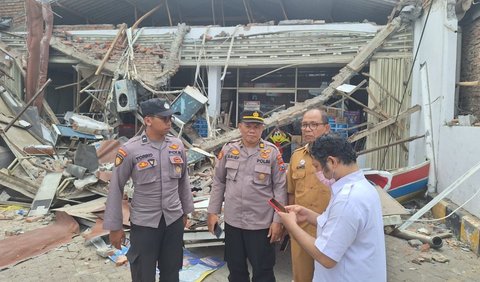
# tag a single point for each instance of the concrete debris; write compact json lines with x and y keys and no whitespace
{"x":415,"y":243}
{"x":105,"y":252}
{"x":75,"y":170}
{"x":439,"y":258}
{"x":86,"y":181}
{"x":4,"y":196}
{"x":424,"y":231}
{"x":14,"y":232}
{"x":424,"y":248}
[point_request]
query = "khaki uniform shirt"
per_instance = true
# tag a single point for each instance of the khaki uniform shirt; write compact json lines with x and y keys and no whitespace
{"x":246,"y":183}
{"x":311,"y":193}
{"x":160,"y":177}
{"x":304,"y":184}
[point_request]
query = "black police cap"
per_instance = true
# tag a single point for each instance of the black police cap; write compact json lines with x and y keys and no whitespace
{"x":252,"y":116}
{"x":156,"y":107}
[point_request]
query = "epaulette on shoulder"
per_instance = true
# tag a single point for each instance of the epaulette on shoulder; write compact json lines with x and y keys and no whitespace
{"x":233,"y":141}
{"x":303,"y":148}
{"x":270,"y":144}
{"x":173,"y":138}
{"x":133,"y":139}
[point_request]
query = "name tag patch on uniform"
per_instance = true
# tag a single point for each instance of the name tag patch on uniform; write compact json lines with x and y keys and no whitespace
{"x":262,"y":161}
{"x":141,"y":157}
{"x":232,"y":157}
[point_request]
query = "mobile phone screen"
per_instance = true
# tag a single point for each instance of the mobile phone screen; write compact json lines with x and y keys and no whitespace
{"x":217,"y":230}
{"x":276,"y":205}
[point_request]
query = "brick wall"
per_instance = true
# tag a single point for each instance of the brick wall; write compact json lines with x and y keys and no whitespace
{"x":16,"y":10}
{"x":469,"y":100}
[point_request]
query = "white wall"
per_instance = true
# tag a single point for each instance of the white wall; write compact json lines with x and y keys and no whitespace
{"x":438,"y":51}
{"x":456,"y":148}
{"x":458,"y":152}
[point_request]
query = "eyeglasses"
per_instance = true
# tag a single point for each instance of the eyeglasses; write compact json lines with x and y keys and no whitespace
{"x":165,"y":119}
{"x":312,"y":125}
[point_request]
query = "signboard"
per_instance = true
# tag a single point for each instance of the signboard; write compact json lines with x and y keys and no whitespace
{"x":251,"y":105}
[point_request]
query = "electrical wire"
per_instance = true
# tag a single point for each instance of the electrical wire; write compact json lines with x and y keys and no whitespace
{"x":450,"y":214}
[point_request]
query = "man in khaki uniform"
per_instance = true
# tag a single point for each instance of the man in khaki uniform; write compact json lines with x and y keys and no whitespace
{"x":306,"y":190}
{"x":249,"y":171}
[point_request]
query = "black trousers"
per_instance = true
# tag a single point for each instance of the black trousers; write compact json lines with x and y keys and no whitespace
{"x":152,"y":246}
{"x":254,"y":245}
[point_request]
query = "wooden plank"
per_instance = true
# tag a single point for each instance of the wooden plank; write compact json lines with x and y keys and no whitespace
{"x":388,"y":145}
{"x":110,"y":49}
{"x":20,"y":185}
{"x":383,"y":124}
{"x":44,"y":197}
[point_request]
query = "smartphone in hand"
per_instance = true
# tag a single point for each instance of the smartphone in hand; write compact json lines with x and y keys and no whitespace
{"x":286,"y":240}
{"x":276,"y":205}
{"x":217,"y":230}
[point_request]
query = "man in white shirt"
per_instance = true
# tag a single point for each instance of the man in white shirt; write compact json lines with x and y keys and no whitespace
{"x":350,"y":243}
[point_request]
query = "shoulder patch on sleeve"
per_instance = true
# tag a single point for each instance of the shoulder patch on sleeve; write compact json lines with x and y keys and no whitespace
{"x":118,"y":159}
{"x":122,"y":152}
{"x":220,"y":155}
{"x":281,"y":163}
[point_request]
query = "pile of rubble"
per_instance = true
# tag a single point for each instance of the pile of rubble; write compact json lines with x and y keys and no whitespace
{"x":65,"y":168}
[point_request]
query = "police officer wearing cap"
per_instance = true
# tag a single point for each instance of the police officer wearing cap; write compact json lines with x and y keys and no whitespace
{"x":162,"y":198}
{"x":249,"y":171}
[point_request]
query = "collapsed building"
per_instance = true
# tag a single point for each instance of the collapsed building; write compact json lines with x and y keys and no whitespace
{"x":85,"y":66}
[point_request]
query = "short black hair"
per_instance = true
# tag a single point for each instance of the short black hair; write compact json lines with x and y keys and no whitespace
{"x":323,"y":113}
{"x":333,"y":145}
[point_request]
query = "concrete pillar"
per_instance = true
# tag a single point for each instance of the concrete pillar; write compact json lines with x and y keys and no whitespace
{"x":214,"y":91}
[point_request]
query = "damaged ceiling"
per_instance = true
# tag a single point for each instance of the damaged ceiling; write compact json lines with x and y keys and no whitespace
{"x":219,"y":12}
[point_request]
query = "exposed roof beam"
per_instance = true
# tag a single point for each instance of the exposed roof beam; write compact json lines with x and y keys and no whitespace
{"x":282,"y":5}
{"x":213,"y":12}
{"x":135,"y":6}
{"x":168,"y":13}
{"x":87,"y":20}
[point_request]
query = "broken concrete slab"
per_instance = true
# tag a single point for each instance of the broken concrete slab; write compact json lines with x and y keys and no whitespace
{"x":76,"y":170}
{"x":86,"y":156}
{"x":84,"y":182}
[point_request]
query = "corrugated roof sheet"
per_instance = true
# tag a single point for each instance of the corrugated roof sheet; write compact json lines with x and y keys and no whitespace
{"x":231,"y":12}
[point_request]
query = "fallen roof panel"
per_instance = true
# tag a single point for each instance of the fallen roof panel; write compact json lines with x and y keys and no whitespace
{"x":18,"y":248}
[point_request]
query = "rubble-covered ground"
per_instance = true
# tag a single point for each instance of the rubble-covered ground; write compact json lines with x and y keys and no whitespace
{"x":78,"y":262}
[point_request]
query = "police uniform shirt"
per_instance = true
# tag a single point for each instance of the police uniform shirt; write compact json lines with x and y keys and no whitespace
{"x":245,"y":182}
{"x":160,"y":178}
